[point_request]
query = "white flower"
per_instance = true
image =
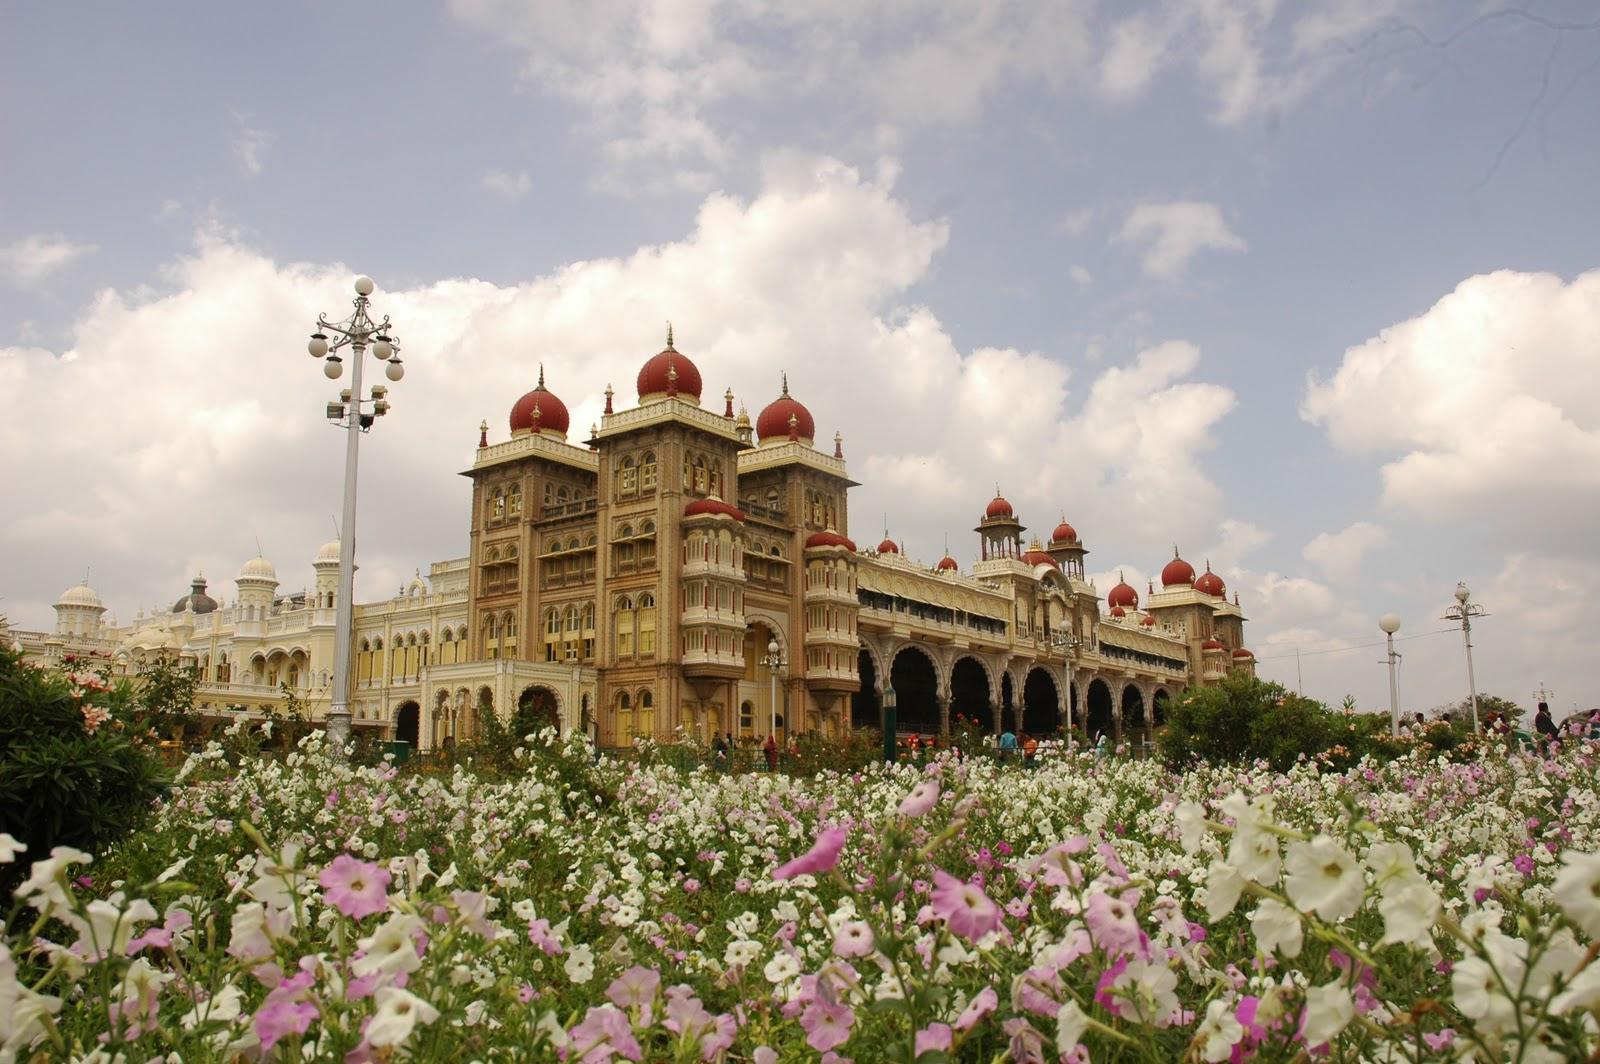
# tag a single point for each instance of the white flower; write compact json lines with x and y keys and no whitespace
{"x":1392,"y":864}
{"x":1220,"y":1031}
{"x":1325,"y":879}
{"x":1223,"y":885}
{"x":45,"y":888}
{"x":398,"y":1012}
{"x":1480,"y":997}
{"x":9,"y":848}
{"x":1190,"y":818}
{"x":740,"y":953}
{"x":1255,"y":854}
{"x":1070,"y":1025}
{"x":1149,"y":989}
{"x":1328,"y":1009}
{"x":1409,"y":912}
{"x":1582,"y":993}
{"x":223,"y":1006}
{"x":1277,"y":928}
{"x":1577,"y":891}
{"x":390,"y":949}
{"x":22,"y":1012}
{"x":110,"y":925}
{"x":781,"y":968}
{"x":580,"y":964}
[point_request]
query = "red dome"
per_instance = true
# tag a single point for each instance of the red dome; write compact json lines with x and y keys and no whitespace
{"x":773,"y":423}
{"x":1211,"y":644}
{"x":949,"y":564}
{"x":552,"y":412}
{"x":1123,"y":595}
{"x":1118,"y":611}
{"x":999,"y":508}
{"x":1177,"y":572}
{"x":829,"y":538}
{"x":1039,"y":557}
{"x":1149,"y":620}
{"x":713,"y":505}
{"x":1210,"y":583}
{"x":1242,"y":653}
{"x":888,"y":546}
{"x":669,"y":371}
{"x":1064,"y":533}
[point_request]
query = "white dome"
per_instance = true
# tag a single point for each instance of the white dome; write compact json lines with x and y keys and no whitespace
{"x":80,"y":595}
{"x":328,"y":552}
{"x":257,"y":568}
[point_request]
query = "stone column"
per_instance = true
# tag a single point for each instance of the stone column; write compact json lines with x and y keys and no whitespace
{"x":944,"y":718}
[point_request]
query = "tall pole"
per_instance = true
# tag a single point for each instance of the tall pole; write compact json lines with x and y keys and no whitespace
{"x":344,"y":604}
{"x":358,"y":333}
{"x":1472,"y":681}
{"x":890,"y":726}
{"x":1390,"y":623}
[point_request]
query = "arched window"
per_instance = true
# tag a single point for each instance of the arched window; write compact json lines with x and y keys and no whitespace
{"x":702,"y":476}
{"x":497,"y":505}
{"x":628,"y":477}
{"x":588,"y":632}
{"x":644,"y":716}
{"x":552,"y":634}
{"x":647,"y":625}
{"x":514,"y":501}
{"x":647,"y":472}
{"x":625,"y":731}
{"x":623,"y":626}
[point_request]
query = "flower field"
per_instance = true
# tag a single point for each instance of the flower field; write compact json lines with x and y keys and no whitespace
{"x":1083,"y":909}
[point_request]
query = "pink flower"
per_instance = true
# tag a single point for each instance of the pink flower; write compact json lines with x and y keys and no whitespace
{"x":853,"y":939}
{"x":1113,"y":924}
{"x":539,"y":934}
{"x":986,"y":1002}
{"x":603,"y":1032}
{"x":635,"y":987}
{"x":280,"y":1016}
{"x":356,"y":888}
{"x":921,"y":799}
{"x":1442,"y":1040}
{"x":822,"y":856}
{"x":827,"y":1024}
{"x":964,"y":907}
{"x":934,"y":1037}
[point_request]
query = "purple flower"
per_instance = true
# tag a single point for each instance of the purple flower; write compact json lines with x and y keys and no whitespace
{"x":356,"y":888}
{"x":822,"y":857}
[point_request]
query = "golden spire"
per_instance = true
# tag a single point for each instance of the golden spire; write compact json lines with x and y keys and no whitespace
{"x":785,"y":385}
{"x":669,"y":337}
{"x":541,"y":377}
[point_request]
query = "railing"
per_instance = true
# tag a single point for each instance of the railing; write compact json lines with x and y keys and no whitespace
{"x":569,"y":509}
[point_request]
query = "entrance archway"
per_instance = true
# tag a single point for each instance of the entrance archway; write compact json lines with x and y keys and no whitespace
{"x":969,"y":694}
{"x":1134,"y":726}
{"x":407,"y":723}
{"x":537,"y":707}
{"x":1041,"y":704}
{"x":1101,"y":720}
{"x":1160,"y":703}
{"x":1008,"y":704}
{"x":866,"y":708}
{"x":916,"y":690}
{"x":1074,"y":710}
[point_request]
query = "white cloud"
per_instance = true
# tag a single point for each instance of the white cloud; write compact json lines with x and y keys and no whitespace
{"x":249,"y":145}
{"x":1075,"y":222}
{"x":1482,"y":408}
{"x":176,"y":469}
{"x":1080,"y":274}
{"x":33,"y":258}
{"x":1173,"y":233}
{"x":1339,"y":554}
{"x":508,"y":185}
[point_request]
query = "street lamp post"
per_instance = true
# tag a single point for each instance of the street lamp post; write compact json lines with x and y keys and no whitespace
{"x":1464,"y":610}
{"x":357,"y":332}
{"x":1067,"y":643}
{"x":773,"y":661}
{"x":1390,"y":623}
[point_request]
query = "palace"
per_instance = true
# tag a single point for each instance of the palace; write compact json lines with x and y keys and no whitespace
{"x":683,"y":572}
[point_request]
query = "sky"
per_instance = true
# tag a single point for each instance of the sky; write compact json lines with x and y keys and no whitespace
{"x":1308,"y":291}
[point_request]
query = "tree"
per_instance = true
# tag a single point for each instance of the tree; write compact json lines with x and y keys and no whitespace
{"x":1487,"y":704}
{"x":1242,"y":719}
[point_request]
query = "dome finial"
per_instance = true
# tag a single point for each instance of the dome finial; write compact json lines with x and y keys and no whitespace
{"x":483,"y":434}
{"x":1174,"y":550}
{"x":669,"y":336}
{"x":786,"y":383}
{"x":727,"y":411}
{"x":541,"y":375}
{"x":838,"y":445}
{"x":609,"y":394}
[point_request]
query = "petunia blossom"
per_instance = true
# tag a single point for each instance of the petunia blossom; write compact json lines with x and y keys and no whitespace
{"x":822,"y":857}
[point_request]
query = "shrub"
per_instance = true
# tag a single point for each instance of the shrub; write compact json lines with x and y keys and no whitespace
{"x":1242,"y":719}
{"x":76,"y":767}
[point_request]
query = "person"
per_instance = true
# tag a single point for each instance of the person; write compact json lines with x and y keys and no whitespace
{"x":1422,"y":722}
{"x":771,"y":750}
{"x":1100,"y":744}
{"x":720,"y":748}
{"x":1030,"y":748}
{"x":1008,"y":744}
{"x":1545,"y":724}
